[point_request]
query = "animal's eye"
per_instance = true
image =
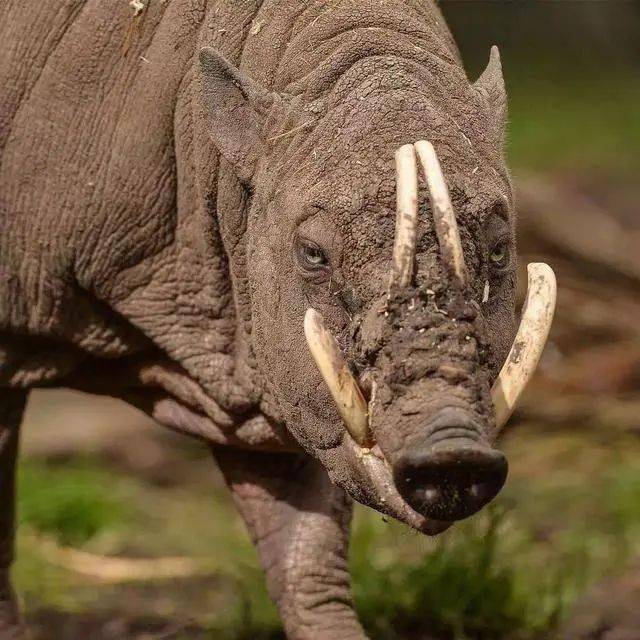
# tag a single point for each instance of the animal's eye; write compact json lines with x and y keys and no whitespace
{"x":310,"y":255}
{"x":500,"y":256}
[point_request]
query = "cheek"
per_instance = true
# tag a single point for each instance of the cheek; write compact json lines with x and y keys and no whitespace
{"x":501,"y":330}
{"x":289,"y":374}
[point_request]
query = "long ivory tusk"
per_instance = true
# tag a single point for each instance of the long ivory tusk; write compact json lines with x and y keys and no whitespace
{"x":443,"y":214}
{"x":335,"y":371}
{"x":537,"y":316}
{"x":404,"y":247}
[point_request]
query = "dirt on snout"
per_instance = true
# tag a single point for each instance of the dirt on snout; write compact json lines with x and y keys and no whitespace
{"x":428,"y":338}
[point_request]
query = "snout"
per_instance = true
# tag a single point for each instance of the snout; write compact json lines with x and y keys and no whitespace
{"x":454,"y":473}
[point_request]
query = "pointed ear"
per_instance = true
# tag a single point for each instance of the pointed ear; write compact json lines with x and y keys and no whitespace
{"x":236,"y":108}
{"x":491,"y":85}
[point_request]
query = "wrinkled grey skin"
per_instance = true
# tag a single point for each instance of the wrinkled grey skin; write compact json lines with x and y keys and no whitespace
{"x":156,"y":213}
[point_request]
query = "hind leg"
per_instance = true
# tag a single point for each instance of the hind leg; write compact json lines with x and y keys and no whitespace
{"x":11,"y":408}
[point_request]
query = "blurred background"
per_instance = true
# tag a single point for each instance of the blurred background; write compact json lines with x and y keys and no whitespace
{"x":126,"y":531}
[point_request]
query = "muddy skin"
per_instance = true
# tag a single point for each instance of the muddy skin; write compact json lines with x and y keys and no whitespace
{"x":178,"y":186}
{"x":431,"y":412}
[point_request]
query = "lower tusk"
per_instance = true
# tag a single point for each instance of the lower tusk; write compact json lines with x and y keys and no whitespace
{"x":334,"y":369}
{"x":531,"y":338}
{"x":404,"y":246}
{"x":444,"y":217}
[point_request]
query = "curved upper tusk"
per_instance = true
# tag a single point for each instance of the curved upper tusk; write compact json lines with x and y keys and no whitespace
{"x":443,"y":215}
{"x":537,"y":316}
{"x":404,"y":247}
{"x":334,"y":369}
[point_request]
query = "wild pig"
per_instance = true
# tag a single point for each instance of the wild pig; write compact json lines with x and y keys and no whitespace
{"x":198,"y":203}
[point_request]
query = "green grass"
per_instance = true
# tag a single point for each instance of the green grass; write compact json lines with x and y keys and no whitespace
{"x":468,"y":586}
{"x":72,"y":503}
{"x":512,"y":572}
{"x":515,"y":570}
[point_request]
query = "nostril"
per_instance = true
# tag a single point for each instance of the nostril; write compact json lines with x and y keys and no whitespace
{"x":452,"y":479}
{"x":484,"y":492}
{"x":431,"y":494}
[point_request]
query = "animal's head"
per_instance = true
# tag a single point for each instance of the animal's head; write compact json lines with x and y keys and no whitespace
{"x":380,"y":302}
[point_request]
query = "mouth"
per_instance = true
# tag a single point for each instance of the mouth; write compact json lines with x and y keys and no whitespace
{"x":452,"y":481}
{"x":377,"y":488}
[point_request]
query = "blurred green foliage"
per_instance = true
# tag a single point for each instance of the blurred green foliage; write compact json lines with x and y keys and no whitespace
{"x":73,"y":502}
{"x":576,"y":124}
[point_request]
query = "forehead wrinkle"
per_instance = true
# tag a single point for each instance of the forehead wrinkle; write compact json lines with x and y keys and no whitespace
{"x":391,"y":81}
{"x":387,"y":72}
{"x":348,"y":189}
{"x":389,"y":119}
{"x":393,"y":72}
{"x":355,"y":160}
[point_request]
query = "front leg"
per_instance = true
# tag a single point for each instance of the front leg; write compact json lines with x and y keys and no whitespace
{"x":299,"y":522}
{"x":11,"y":409}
